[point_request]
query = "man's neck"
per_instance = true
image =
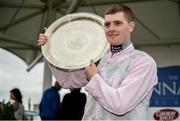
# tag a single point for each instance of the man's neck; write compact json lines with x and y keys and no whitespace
{"x":120,"y":47}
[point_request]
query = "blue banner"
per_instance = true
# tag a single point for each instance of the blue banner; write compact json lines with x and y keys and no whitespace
{"x":167,"y":91}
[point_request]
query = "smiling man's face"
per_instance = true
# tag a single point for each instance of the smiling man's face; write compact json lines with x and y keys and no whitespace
{"x":117,"y":28}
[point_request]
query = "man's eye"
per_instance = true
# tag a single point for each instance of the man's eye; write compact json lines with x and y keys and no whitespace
{"x":117,"y":23}
{"x":107,"y":24}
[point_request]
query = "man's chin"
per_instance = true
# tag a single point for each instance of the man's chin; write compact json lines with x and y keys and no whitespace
{"x":112,"y":42}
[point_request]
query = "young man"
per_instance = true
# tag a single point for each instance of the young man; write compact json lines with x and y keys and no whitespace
{"x":121,"y":85}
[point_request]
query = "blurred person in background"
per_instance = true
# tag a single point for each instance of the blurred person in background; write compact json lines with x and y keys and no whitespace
{"x":72,"y":106}
{"x":18,"y":107}
{"x":49,"y":107}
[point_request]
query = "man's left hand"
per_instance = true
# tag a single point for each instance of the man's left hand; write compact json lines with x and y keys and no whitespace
{"x":90,"y":70}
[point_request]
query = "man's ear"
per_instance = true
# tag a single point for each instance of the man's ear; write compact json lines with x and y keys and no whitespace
{"x":131,"y":26}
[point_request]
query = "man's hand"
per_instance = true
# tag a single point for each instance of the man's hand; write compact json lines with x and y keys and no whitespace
{"x":42,"y":40}
{"x":90,"y":70}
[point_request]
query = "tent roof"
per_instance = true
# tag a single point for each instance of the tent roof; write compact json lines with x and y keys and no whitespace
{"x":157,"y":22}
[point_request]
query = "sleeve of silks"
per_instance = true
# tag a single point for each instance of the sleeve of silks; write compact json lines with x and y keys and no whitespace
{"x":141,"y":78}
{"x":68,"y":79}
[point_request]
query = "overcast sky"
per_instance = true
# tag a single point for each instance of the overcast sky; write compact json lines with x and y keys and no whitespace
{"x":13,"y":74}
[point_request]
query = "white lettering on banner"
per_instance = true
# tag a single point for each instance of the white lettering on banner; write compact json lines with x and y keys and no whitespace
{"x":178,"y":92}
{"x":173,"y":77}
{"x":167,"y":87}
{"x":162,"y":88}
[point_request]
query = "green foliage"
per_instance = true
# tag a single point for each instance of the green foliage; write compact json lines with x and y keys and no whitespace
{"x":6,"y":111}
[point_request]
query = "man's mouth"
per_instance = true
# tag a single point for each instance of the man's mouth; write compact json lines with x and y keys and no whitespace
{"x":112,"y":35}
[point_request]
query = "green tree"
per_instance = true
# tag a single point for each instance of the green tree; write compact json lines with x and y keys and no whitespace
{"x":7,"y":112}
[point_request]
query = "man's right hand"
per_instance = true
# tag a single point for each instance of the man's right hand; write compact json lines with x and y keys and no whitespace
{"x":42,"y":40}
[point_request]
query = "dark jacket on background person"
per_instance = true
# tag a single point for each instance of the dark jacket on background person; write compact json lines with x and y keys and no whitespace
{"x":72,"y":106}
{"x":50,"y":104}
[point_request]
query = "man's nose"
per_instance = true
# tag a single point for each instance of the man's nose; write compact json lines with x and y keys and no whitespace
{"x":111,"y":27}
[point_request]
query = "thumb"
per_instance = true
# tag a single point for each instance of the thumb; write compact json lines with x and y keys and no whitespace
{"x":44,"y":30}
{"x":91,"y":62}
